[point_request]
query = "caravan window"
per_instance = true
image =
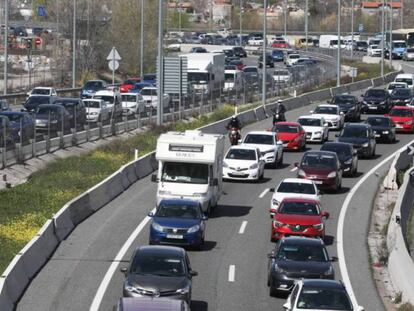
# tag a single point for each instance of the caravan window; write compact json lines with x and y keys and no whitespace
{"x":198,"y":77}
{"x":191,"y":173}
{"x":229,"y":77}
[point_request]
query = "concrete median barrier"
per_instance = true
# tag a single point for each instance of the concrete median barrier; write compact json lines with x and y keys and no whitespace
{"x":39,"y":249}
{"x":247,"y":117}
{"x":63,"y":223}
{"x":339,"y":90}
{"x":377,"y":82}
{"x":129,"y":175}
{"x":321,"y":95}
{"x":5,"y":301}
{"x":105,"y":191}
{"x":260,"y":113}
{"x":144,"y":166}
{"x":16,"y":279}
{"x":80,"y":209}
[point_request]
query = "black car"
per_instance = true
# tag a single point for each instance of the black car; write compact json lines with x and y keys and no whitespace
{"x":239,"y":51}
{"x":76,"y":108}
{"x":376,"y":101}
{"x":198,"y":49}
{"x":361,"y":46}
{"x":229,"y":59}
{"x":21,"y":124}
{"x":159,"y":271}
{"x":401,"y":97}
{"x":4,"y":106}
{"x":53,"y":117}
{"x":349,"y":105}
{"x":269,"y":61}
{"x":6,"y":132}
{"x":91,"y":87}
{"x":361,"y":136}
{"x":296,"y":258}
{"x":347,"y":155}
{"x":383,"y":127}
{"x":229,"y":53}
{"x":251,"y":76}
{"x":33,"y":102}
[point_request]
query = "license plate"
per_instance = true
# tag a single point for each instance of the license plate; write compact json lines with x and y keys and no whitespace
{"x":373,"y":108}
{"x":175,"y":236}
{"x":399,"y":126}
{"x":377,"y":135}
{"x":285,"y":145}
{"x":318,"y":182}
{"x":237,"y":173}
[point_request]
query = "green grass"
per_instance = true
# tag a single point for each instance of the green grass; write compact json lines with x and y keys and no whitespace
{"x":406,"y":307}
{"x":26,"y":207}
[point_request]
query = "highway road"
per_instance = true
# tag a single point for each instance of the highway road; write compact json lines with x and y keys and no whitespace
{"x":70,"y":280}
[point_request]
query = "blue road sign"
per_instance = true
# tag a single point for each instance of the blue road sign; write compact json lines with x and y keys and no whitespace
{"x":361,"y":28}
{"x":41,"y":11}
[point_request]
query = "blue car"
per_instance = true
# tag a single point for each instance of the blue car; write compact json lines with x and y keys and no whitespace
{"x":139,"y":86}
{"x":178,"y":222}
{"x":150,"y":78}
{"x":91,"y":87}
{"x":21,"y":124}
{"x":278,"y":56}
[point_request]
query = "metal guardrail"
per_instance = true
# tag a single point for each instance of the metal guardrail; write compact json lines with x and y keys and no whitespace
{"x":19,"y":98}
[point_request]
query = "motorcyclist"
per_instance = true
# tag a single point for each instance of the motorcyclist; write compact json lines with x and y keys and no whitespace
{"x":279,"y":112}
{"x":235,"y":123}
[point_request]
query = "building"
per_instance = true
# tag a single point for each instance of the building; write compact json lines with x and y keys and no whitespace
{"x":372,"y":7}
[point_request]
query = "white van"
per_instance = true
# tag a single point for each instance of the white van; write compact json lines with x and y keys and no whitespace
{"x":190,"y":167}
{"x":232,"y":80}
{"x":407,"y":78}
{"x":113,"y":101}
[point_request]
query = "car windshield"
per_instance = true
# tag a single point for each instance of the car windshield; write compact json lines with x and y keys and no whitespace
{"x":37,"y":100}
{"x":229,"y":77}
{"x":294,"y":56}
{"x":190,"y":173}
{"x":285,"y":128}
{"x":401,"y":113}
{"x":47,"y":110}
{"x":129,"y":98}
{"x":318,"y":160}
{"x":281,"y":73}
{"x":92,"y":104}
{"x":323,"y":299}
{"x":393,"y":86}
{"x":13,"y":117}
{"x":409,"y":81}
{"x":40,"y":92}
{"x":149,"y":92}
{"x":241,"y":154}
{"x":377,"y":93}
{"x":290,"y":187}
{"x":326,"y":110}
{"x":362,"y":43}
{"x":178,"y":211}
{"x":401,"y":92}
{"x":378,"y":121}
{"x":340,"y":149}
{"x":310,"y":122}
{"x":291,"y":252}
{"x":298,"y":208}
{"x":354,"y":131}
{"x":158,"y":265}
{"x":343,"y":99}
{"x":250,"y":69}
{"x":259,"y":139}
{"x":399,"y":45}
{"x":410,"y":50}
{"x":149,"y":77}
{"x":93,"y":85}
{"x":106,"y":98}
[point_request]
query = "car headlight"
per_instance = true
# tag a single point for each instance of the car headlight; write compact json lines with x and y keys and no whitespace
{"x":409,"y":122}
{"x":275,"y":202}
{"x":254,"y":166}
{"x":194,"y":229}
{"x":365,"y":145}
{"x":54,"y":121}
{"x":163,"y":192}
{"x":277,"y":268}
{"x":225,"y":164}
{"x":298,"y":138}
{"x":317,"y":133}
{"x":199,"y":194}
{"x":184,"y":290}
{"x":385,"y":132}
{"x":133,"y":289}
{"x":407,"y":100}
{"x":329,"y":272}
{"x":318,"y":226}
{"x":349,"y":161}
{"x":157,"y":227}
{"x":332,"y":175}
{"x":277,"y":224}
{"x":93,"y":113}
{"x":301,"y":173}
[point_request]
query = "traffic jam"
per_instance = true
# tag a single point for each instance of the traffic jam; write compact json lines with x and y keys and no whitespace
{"x":193,"y":166}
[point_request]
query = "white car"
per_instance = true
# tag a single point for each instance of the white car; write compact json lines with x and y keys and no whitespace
{"x":255,"y":41}
{"x":396,"y":85}
{"x":408,"y":54}
{"x":243,"y":163}
{"x":271,"y":150}
{"x":332,"y":115}
{"x":293,"y":188}
{"x":149,"y":94}
{"x":46,"y":91}
{"x":407,"y":78}
{"x":96,"y":110}
{"x":291,"y":59}
{"x":316,"y":128}
{"x":132,"y":104}
{"x":374,"y":50}
{"x":112,"y":100}
{"x":282,"y":76}
{"x":321,"y":295}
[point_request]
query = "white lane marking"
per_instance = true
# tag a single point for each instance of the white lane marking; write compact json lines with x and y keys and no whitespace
{"x":243,"y":227}
{"x":97,"y":300}
{"x":294,"y":169}
{"x":232,"y":272}
{"x":264,"y":193}
{"x":341,"y":222}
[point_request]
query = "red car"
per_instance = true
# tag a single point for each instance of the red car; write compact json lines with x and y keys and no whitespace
{"x":238,"y":63}
{"x":301,"y":217}
{"x":403,"y":117}
{"x":129,"y":84}
{"x":281,"y":44}
{"x":291,"y":134}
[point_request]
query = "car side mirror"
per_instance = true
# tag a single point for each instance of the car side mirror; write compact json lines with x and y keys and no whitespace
{"x":154,"y":178}
{"x":272,"y":190}
{"x":123,"y":270}
{"x":336,"y":135}
{"x":311,"y":111}
{"x":287,"y":307}
{"x":362,"y":95}
{"x":354,"y":152}
{"x":360,"y":308}
{"x":342,"y":113}
{"x":325,"y":124}
{"x":271,"y":255}
{"x":328,"y":101}
{"x":334,"y":259}
{"x":296,"y":164}
{"x":325,"y":214}
{"x":204,"y":217}
{"x":193,"y":273}
{"x":239,"y":141}
{"x":150,"y":214}
{"x":279,"y":142}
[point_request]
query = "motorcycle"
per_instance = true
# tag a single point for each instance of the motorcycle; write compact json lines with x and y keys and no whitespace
{"x":278,"y":116}
{"x":234,"y":136}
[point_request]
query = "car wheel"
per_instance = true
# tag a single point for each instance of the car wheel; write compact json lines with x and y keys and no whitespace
{"x":373,"y":153}
{"x":280,"y":162}
{"x":273,"y":292}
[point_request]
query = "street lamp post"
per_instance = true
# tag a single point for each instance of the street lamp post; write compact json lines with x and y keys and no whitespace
{"x":179,"y":16}
{"x":352,"y":29}
{"x":402,"y":14}
{"x":6,"y":32}
{"x":141,"y":53}
{"x":338,"y":60}
{"x":264,"y":53}
{"x":285,"y":11}
{"x":306,"y":23}
{"x":382,"y":37}
{"x":74,"y":46}
{"x":241,"y":21}
{"x":160,"y":78}
{"x":391,"y":18}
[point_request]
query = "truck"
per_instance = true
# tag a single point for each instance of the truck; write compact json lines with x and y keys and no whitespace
{"x":190,"y":166}
{"x":233,"y":80}
{"x":205,"y":71}
{"x":330,"y":42}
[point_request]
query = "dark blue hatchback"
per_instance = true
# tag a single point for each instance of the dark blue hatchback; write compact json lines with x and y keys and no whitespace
{"x":278,"y":55}
{"x":178,"y":222}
